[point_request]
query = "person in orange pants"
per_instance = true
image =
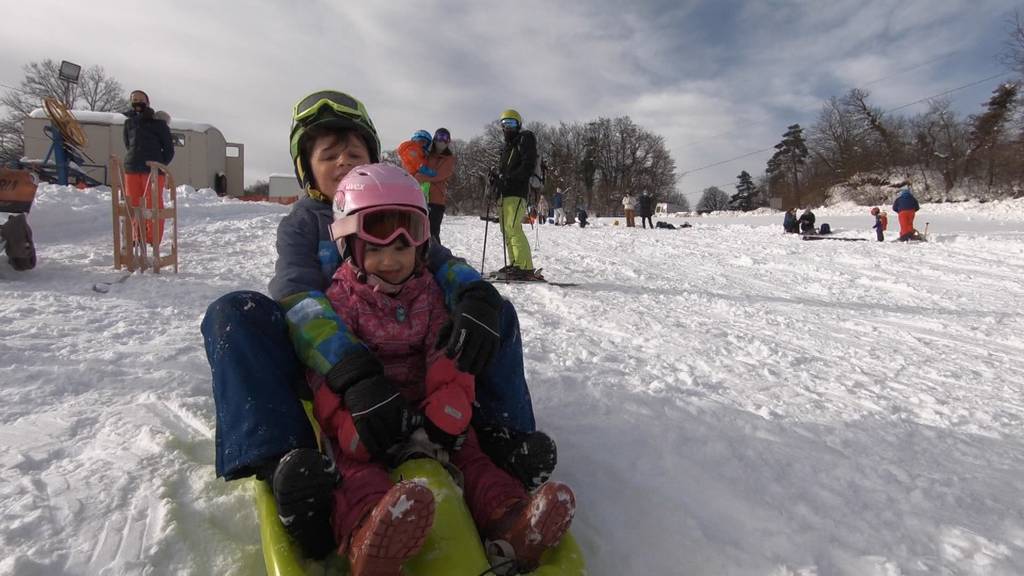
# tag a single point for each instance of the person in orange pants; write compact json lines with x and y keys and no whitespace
{"x":147,"y":138}
{"x":906,"y":207}
{"x":136,"y":186}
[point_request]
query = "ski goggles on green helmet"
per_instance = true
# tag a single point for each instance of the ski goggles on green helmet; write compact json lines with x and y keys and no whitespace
{"x":339,"y":102}
{"x":510,"y":123}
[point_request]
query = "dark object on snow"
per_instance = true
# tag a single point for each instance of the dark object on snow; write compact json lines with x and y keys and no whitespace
{"x":825,"y":229}
{"x":819,"y":237}
{"x":17,"y":241}
{"x":806,"y":221}
{"x":581,"y":217}
{"x":668,"y":226}
{"x":789,"y":223}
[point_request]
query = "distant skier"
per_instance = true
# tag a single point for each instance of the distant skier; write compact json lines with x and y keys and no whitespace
{"x":557,"y":200}
{"x":906,"y":208}
{"x":511,"y":180}
{"x":881,"y":223}
{"x":543,"y":209}
{"x":646,"y":204}
{"x":806,"y":221}
{"x":413,"y":155}
{"x":789,"y":223}
{"x":629,"y":206}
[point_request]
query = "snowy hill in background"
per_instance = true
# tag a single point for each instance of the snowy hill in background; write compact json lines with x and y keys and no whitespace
{"x":728,"y":400}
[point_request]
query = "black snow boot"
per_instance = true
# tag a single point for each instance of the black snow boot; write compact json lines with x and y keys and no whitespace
{"x":304,"y":482}
{"x":529,"y":456}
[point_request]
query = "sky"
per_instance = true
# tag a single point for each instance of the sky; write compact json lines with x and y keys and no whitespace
{"x":717,"y":79}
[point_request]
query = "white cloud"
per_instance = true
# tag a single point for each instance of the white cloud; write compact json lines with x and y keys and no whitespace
{"x":716,"y":79}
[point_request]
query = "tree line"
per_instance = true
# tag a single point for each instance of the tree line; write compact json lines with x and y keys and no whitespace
{"x":856,"y":142}
{"x":594,"y":163}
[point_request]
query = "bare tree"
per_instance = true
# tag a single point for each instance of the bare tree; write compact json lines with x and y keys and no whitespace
{"x":1014,"y":54}
{"x":96,"y":91}
{"x":713,"y":198}
{"x":99,"y":92}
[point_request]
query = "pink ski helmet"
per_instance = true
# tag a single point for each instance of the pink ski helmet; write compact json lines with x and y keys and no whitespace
{"x":379,"y":203}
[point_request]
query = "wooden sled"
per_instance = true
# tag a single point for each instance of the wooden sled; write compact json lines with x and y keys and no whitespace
{"x":131,"y":250}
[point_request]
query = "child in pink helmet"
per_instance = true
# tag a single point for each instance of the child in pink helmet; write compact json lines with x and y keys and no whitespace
{"x":422,"y":404}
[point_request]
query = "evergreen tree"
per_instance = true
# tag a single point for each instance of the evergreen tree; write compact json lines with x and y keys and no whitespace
{"x":789,"y":158}
{"x":743,"y":199}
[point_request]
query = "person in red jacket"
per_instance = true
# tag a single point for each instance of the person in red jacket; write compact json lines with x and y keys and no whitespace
{"x":441,"y":161}
{"x":420,"y":403}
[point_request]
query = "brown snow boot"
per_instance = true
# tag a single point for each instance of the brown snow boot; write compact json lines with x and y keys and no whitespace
{"x":393,"y":531}
{"x":527,"y":528}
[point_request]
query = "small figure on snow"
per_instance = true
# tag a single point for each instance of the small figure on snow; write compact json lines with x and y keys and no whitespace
{"x":557,"y":202}
{"x":646,"y":205}
{"x":417,"y":401}
{"x":629,"y":206}
{"x":906,"y":207}
{"x":543,"y":209}
{"x":881,"y":223}
{"x":806,"y":221}
{"x":789,"y":222}
{"x":581,"y":216}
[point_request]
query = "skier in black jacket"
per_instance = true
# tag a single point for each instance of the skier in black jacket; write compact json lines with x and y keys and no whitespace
{"x":512,"y":183}
{"x":147,"y":138}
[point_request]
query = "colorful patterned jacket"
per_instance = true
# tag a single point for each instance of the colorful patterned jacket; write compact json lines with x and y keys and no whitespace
{"x":401,"y":331}
{"x":307,"y":258}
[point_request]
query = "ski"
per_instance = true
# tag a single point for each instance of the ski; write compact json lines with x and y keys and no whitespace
{"x":835,"y":238}
{"x":104,"y":287}
{"x":502,"y":278}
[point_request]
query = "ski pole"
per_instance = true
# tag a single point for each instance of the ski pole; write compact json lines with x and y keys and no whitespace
{"x":926,"y":229}
{"x":487,"y":223}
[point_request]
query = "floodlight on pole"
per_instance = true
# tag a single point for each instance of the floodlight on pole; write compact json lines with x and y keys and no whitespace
{"x":69,"y":72}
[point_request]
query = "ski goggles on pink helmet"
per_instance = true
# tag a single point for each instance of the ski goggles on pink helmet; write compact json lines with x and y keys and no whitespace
{"x":382,"y":225}
{"x":379,"y":203}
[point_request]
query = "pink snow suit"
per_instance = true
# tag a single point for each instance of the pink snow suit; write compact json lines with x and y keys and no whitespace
{"x":401,"y":330}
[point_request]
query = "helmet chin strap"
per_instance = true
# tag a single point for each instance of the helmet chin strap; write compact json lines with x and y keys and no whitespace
{"x":381,"y":285}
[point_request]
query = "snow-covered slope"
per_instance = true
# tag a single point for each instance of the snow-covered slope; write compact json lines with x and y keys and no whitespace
{"x":727,"y":399}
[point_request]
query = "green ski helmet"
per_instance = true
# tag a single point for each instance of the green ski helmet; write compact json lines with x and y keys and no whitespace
{"x":329,"y":109}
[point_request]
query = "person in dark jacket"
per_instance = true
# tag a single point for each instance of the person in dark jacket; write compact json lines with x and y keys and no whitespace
{"x":906,"y":208}
{"x":259,"y":347}
{"x":512,"y":183}
{"x":556,"y":202}
{"x":147,"y":138}
{"x":581,"y":216}
{"x":806,"y":221}
{"x":646,"y":206}
{"x":789,"y":223}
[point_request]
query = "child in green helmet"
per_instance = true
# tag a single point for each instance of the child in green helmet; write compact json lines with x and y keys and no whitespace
{"x":258,"y":347}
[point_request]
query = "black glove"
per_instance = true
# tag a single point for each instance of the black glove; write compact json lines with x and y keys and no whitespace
{"x":450,"y":443}
{"x":471,"y":335}
{"x":381,"y":415}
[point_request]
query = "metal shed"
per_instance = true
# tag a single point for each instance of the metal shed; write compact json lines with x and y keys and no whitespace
{"x":201,"y":152}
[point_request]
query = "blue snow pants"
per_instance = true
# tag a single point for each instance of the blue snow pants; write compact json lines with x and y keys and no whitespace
{"x":257,"y":375}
